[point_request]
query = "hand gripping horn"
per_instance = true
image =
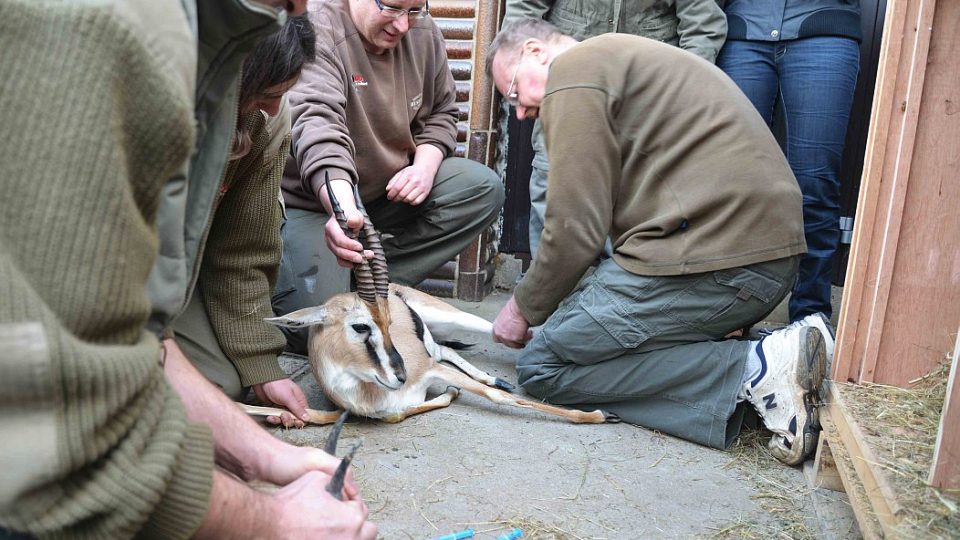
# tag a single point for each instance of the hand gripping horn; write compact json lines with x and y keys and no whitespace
{"x":372,"y":277}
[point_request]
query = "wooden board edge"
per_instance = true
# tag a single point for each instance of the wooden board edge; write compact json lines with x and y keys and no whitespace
{"x":867,"y":520}
{"x":881,"y":495}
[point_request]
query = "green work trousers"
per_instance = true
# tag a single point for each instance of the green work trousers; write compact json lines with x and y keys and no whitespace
{"x":652,"y":349}
{"x":194,"y":334}
{"x":466,"y":198}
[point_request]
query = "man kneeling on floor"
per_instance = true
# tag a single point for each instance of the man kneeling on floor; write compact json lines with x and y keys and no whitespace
{"x":658,"y":150}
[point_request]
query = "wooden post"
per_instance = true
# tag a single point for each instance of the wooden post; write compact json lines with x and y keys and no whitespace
{"x":945,"y":472}
{"x":901,"y":300}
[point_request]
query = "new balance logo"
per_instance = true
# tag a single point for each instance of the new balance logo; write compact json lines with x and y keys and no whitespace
{"x":770,"y":401}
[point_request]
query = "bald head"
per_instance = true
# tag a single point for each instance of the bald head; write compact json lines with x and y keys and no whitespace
{"x":511,"y":38}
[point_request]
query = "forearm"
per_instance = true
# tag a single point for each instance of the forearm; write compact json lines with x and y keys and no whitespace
{"x":240,"y":445}
{"x":525,"y":9}
{"x":343,"y":191}
{"x":702,"y":27}
{"x":428,"y":157}
{"x":236,"y":511}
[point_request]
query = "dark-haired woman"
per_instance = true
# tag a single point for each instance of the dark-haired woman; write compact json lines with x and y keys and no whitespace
{"x":222,"y":329}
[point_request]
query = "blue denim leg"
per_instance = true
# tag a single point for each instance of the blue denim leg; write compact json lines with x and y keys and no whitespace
{"x":817,"y":79}
{"x":814,"y":79}
{"x":752,"y":65}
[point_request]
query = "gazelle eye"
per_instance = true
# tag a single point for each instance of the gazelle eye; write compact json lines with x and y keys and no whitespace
{"x":361,"y":328}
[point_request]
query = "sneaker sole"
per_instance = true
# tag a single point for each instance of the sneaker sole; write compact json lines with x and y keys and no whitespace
{"x":809,"y":376}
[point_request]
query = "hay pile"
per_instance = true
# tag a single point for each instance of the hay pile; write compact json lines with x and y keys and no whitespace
{"x":901,"y":426}
{"x":789,"y":507}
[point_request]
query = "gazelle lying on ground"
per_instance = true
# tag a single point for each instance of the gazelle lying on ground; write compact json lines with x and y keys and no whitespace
{"x":360,"y":371}
{"x":374,"y":352}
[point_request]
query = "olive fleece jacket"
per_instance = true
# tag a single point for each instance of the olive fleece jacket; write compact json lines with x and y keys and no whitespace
{"x":659,"y":150}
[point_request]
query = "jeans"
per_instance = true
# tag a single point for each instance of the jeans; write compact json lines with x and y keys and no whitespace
{"x":813,"y":79}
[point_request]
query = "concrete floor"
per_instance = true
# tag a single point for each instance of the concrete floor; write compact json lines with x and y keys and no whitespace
{"x":491,"y":468}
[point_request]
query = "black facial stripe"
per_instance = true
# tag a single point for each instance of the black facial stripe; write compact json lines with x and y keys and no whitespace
{"x":372,"y":353}
{"x":396,"y":361}
{"x":417,"y":323}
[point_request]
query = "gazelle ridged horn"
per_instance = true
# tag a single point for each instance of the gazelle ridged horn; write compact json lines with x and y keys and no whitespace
{"x":335,"y":485}
{"x":331,"y":445}
{"x":381,"y":276}
{"x":366,"y":287}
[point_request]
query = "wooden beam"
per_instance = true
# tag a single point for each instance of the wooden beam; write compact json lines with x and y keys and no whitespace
{"x":826,"y":470}
{"x":846,"y":365}
{"x":902,"y":296}
{"x":945,"y":471}
{"x":830,"y":441}
{"x":842,"y":432}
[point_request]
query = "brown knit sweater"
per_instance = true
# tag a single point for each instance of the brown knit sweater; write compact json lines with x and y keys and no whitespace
{"x":99,"y":100}
{"x":242,"y":253}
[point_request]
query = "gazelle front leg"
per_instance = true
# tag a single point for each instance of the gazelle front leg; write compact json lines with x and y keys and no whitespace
{"x":439,"y":402}
{"x":316,"y":417}
{"x":449,"y":355}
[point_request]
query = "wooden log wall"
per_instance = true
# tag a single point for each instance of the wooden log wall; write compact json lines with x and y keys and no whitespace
{"x":468,"y":26}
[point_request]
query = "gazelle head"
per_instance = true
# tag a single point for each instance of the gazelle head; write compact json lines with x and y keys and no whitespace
{"x":353,"y":335}
{"x":355,"y":328}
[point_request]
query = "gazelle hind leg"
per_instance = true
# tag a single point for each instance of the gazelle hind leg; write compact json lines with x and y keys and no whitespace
{"x":449,"y":355}
{"x":439,"y":402}
{"x":444,"y":320}
{"x":316,"y":417}
{"x":500,"y":397}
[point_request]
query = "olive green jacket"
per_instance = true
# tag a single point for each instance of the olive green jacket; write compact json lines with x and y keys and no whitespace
{"x":228,"y":31}
{"x":698,"y":26}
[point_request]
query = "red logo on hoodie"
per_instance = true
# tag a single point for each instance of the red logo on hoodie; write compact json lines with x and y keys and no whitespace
{"x":358,"y":80}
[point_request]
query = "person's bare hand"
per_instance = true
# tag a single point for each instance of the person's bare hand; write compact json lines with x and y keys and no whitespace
{"x":288,"y":395}
{"x":410,"y":185}
{"x":285,"y":463}
{"x":347,"y":251}
{"x":510,"y":327}
{"x":304,"y":509}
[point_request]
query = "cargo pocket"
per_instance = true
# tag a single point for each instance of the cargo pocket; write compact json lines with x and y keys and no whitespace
{"x":595,"y":328}
{"x":721,"y":301}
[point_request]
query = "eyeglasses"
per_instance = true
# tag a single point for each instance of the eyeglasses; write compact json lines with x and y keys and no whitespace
{"x":396,"y":13}
{"x":513,"y":97}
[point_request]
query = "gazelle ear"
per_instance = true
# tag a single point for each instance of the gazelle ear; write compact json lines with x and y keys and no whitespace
{"x":301,"y":318}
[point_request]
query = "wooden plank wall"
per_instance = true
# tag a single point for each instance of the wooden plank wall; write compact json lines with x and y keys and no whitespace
{"x":901,"y":304}
{"x":468,"y":26}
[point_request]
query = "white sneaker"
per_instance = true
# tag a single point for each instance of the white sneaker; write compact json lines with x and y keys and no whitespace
{"x":787,"y":391}
{"x":819,"y":321}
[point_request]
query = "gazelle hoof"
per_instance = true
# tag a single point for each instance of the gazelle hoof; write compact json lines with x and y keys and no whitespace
{"x":610,"y":418}
{"x":503,"y":385}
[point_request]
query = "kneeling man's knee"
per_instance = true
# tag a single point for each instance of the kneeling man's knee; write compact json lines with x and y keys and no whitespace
{"x":490,"y":192}
{"x":539,"y":374}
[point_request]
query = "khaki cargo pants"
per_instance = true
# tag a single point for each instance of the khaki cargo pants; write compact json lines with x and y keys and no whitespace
{"x":652,"y":349}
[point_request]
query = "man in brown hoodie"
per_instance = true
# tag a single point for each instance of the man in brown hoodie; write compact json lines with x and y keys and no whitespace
{"x":377,"y":109}
{"x":657,"y":150}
